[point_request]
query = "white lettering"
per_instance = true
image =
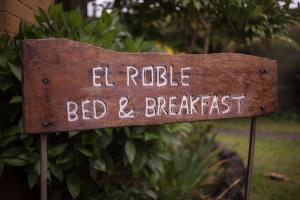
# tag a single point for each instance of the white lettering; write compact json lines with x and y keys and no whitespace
{"x":193,"y":109}
{"x":161,"y":104}
{"x":183,"y":76}
{"x":72,"y":112}
{"x":161,"y":76}
{"x":84,"y":110}
{"x":224,"y":103}
{"x":171,"y":77}
{"x":239,"y":102}
{"x":184,"y":105}
{"x":172,"y":105}
{"x":123,"y":103}
{"x":214,"y":105}
{"x":102,"y":104}
{"x":106,"y":78}
{"x":203,"y":103}
{"x":144,"y":74}
{"x":131,"y":76}
{"x":150,"y":107}
{"x":95,"y":76}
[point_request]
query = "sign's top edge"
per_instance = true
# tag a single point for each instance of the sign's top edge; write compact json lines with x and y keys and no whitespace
{"x":73,"y":42}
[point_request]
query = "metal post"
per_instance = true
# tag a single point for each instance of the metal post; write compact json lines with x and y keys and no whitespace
{"x":43,"y":140}
{"x":250,"y":158}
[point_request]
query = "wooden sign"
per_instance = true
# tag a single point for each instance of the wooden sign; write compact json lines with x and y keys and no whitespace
{"x":69,"y":85}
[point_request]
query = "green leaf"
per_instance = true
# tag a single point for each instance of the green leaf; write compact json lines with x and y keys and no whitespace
{"x":89,"y":138}
{"x":170,"y":138}
{"x":93,"y":173}
{"x":74,"y":18}
{"x":151,"y":136}
{"x":56,"y":171}
{"x":97,"y":148}
{"x":56,"y":149}
{"x":5,"y":85}
{"x":73,"y":185}
{"x":15,"y":70}
{"x":151,"y":194}
{"x":197,"y":5}
{"x":64,"y":158}
{"x":20,"y":123}
{"x":155,"y":163}
{"x":140,"y":160}
{"x":127,"y":131}
{"x":164,"y":155}
{"x":130,"y":150}
{"x":90,"y":27}
{"x":7,"y":140}
{"x":16,"y":99}
{"x":14,"y":161}
{"x":32,"y":178}
{"x":105,"y":140}
{"x":108,"y":161}
{"x":109,"y":131}
{"x":12,"y":152}
{"x":99,"y":133}
{"x":37,"y":167}
{"x":86,"y":152}
{"x":55,"y":10}
{"x":73,"y":133}
{"x":11,"y":131}
{"x":98,"y":164}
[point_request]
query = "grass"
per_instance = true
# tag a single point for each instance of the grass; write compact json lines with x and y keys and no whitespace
{"x":271,"y":155}
{"x":264,"y":124}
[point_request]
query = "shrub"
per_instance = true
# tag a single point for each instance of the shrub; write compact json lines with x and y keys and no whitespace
{"x":115,"y":163}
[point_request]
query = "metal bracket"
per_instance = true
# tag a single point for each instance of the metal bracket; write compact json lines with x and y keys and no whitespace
{"x":43,"y":163}
{"x":251,"y":150}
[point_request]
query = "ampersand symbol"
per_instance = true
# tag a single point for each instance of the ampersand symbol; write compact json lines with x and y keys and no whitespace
{"x":123,"y":103}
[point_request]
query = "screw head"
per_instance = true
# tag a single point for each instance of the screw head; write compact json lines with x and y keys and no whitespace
{"x":45,"y":81}
{"x":45,"y":124}
{"x":263,"y":71}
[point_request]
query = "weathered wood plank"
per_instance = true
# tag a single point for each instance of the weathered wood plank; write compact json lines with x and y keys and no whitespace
{"x":68,"y":85}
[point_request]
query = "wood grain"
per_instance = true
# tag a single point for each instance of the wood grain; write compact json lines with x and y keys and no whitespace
{"x":57,"y":71}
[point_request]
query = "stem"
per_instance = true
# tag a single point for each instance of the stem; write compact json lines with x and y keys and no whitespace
{"x":207,"y":32}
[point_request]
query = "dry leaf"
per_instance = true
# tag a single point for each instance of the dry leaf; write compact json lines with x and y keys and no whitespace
{"x":276,"y":176}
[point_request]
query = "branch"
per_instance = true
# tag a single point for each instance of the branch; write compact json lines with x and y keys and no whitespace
{"x":207,"y":30}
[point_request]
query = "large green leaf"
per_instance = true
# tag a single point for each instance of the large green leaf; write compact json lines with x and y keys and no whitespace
{"x":86,"y":152}
{"x":11,"y":131}
{"x":98,"y":164}
{"x":16,"y":99}
{"x":12,"y":152}
{"x":14,"y":161}
{"x":7,"y":140}
{"x":32,"y":178}
{"x":15,"y":71}
{"x":65,"y":158}
{"x":89,"y":138}
{"x":56,"y":150}
{"x":56,"y":171}
{"x":73,"y":185}
{"x":97,"y":149}
{"x":130,"y":150}
{"x":74,"y":18}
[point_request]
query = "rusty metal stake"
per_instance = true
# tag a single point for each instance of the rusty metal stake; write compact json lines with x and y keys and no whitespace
{"x":43,"y":162}
{"x":250,"y":158}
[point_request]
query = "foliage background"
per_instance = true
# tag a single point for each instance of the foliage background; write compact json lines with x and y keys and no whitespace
{"x":116,"y":163}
